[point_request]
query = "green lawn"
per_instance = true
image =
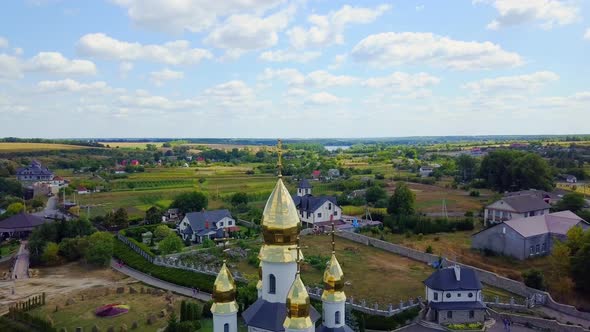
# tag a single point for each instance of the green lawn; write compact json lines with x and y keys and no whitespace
{"x":8,"y":248}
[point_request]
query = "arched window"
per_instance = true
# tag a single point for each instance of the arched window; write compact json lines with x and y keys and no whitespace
{"x":226,"y":327}
{"x":337,"y":317}
{"x":272,"y":284}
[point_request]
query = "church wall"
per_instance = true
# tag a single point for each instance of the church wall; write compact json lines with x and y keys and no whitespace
{"x":284,"y":275}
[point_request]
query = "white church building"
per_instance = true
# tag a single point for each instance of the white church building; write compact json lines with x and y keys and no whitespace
{"x":283,"y":301}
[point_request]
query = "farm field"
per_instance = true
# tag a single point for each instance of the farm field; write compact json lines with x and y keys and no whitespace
{"x":31,"y":147}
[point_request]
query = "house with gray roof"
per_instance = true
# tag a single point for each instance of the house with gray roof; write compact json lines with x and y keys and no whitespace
{"x":513,"y":207}
{"x":20,"y":225}
{"x":33,"y":173}
{"x":454,"y":296}
{"x":315,"y":210}
{"x":197,"y":226}
{"x":529,"y":237}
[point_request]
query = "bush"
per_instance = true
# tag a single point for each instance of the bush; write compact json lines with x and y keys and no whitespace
{"x":177,"y":276}
{"x":428,"y":249}
{"x":100,"y":248}
{"x":474,"y":193}
{"x":387,"y":323}
{"x":50,"y":254}
{"x":534,"y":279}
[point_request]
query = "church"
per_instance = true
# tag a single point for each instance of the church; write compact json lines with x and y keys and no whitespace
{"x":283,"y":301}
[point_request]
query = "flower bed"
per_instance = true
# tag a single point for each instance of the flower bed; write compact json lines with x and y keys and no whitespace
{"x":111,"y":310}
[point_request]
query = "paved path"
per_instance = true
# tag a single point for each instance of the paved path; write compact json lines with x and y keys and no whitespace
{"x":158,"y":282}
{"x":562,"y":317}
{"x":21,"y":266}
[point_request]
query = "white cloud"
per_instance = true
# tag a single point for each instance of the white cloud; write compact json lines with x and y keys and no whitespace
{"x":338,"y":61}
{"x":289,"y":56}
{"x":125,"y":68}
{"x":329,"y":29}
{"x":69,"y":85}
{"x":419,"y":8}
{"x":249,"y":32}
{"x":177,"y":52}
{"x":3,"y":42}
{"x":13,"y":67}
{"x":232,"y":94}
{"x":512,"y":84}
{"x":402,"y":81}
{"x":548,"y":13}
{"x":317,"y":79}
{"x":54,"y":62}
{"x":323,"y":98}
{"x":143,"y":100}
{"x":190,"y":15}
{"x":392,"y":49}
{"x":159,"y":77}
{"x":587,"y":34}
{"x":288,"y":75}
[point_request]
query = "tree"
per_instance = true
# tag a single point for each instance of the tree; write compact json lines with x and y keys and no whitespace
{"x":239,"y":198}
{"x":402,"y":201}
{"x":73,"y":249}
{"x":508,"y":170}
{"x":120,"y":218}
{"x":15,"y":208}
{"x":571,"y":201}
{"x":170,"y":244}
{"x":100,"y":248}
{"x":375,"y":193}
{"x":534,"y":278}
{"x":50,"y":254}
{"x":559,"y":260}
{"x":153,"y":215}
{"x":162,"y":231}
{"x":191,"y":201}
{"x":580,"y":265}
{"x":467,"y":167}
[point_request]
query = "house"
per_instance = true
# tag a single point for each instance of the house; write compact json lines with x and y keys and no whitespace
{"x":513,"y":207}
{"x":315,"y":209}
{"x":333,"y":173}
{"x":171,"y":215}
{"x":316,"y":175}
{"x":569,"y":178}
{"x":197,"y":226}
{"x":523,"y":238}
{"x":82,"y":190}
{"x":454,"y":296}
{"x":548,"y":197}
{"x":34,"y":172}
{"x":426,"y":171}
{"x":359,"y":193}
{"x":20,"y":225}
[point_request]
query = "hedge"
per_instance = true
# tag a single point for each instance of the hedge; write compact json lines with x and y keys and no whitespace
{"x":180,"y":277}
{"x":388,"y":323}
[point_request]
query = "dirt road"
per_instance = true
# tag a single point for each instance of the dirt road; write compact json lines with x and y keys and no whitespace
{"x":21,"y":267}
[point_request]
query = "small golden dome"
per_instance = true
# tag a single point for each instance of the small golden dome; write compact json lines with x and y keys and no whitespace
{"x":280,"y":214}
{"x":333,"y":282}
{"x":224,"y":292}
{"x":298,"y":306}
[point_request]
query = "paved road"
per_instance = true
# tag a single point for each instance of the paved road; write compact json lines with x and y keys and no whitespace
{"x":21,"y":266}
{"x":158,"y":282}
{"x":51,"y":209}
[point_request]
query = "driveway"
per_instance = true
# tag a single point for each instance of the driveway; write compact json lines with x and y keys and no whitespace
{"x":21,"y":266}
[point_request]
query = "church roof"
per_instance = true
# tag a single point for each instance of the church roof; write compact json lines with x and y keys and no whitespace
{"x":304,"y":184}
{"x":309,"y":203}
{"x":271,"y":316}
{"x":446,"y":280}
{"x":280,"y":212}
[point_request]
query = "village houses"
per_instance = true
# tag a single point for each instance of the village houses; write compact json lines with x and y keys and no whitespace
{"x":198,"y":226}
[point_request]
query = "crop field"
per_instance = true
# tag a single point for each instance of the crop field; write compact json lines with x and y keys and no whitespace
{"x":131,"y":145}
{"x":582,"y":188}
{"x":430,"y":198}
{"x":31,"y":147}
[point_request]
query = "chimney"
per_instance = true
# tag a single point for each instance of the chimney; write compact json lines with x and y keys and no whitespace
{"x":457,"y":272}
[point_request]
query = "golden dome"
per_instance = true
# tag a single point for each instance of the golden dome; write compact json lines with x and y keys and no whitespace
{"x":224,"y":292}
{"x":298,"y":306}
{"x":333,"y":282}
{"x":280,"y":212}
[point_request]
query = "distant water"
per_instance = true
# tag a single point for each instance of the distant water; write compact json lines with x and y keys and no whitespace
{"x":332,"y":148}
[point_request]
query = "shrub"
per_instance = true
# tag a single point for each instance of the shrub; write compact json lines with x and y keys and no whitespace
{"x":474,"y":193}
{"x":429,"y":249}
{"x":534,"y":278}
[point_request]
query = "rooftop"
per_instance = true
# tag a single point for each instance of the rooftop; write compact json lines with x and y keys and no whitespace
{"x":446,"y":279}
{"x":525,"y":203}
{"x":554,"y":223}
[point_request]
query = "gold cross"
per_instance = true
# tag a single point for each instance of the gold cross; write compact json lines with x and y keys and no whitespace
{"x":333,"y":233}
{"x":280,"y":153}
{"x":298,"y":259}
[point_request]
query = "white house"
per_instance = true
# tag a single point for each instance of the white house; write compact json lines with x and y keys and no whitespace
{"x":313,"y":210}
{"x":454,"y":296}
{"x":426,"y":171}
{"x":512,"y":207}
{"x":196,"y":226}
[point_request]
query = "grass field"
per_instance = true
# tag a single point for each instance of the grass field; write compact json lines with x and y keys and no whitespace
{"x":131,"y":145}
{"x":30,"y":147}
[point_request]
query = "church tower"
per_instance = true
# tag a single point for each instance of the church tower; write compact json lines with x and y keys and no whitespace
{"x":224,"y":308}
{"x":333,"y":297}
{"x":298,"y":316}
{"x":303,"y":188}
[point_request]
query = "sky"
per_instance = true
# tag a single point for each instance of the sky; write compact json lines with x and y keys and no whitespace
{"x":293,"y":69}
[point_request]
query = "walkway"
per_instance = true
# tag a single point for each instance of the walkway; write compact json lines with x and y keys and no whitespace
{"x":147,"y":279}
{"x":563,"y":317}
{"x":21,"y":266}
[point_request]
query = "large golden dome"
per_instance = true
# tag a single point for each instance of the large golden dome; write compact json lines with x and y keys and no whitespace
{"x":333,"y":282}
{"x":224,"y":292}
{"x":298,"y":306}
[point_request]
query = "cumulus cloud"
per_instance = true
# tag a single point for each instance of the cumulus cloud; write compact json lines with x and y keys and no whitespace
{"x":323,"y":98}
{"x":402,"y":81}
{"x":548,"y":13}
{"x":509,"y":84}
{"x":159,"y":77}
{"x":392,"y":49}
{"x":178,"y":52}
{"x":69,"y":85}
{"x":249,"y":32}
{"x":190,"y":15}
{"x":317,"y":79}
{"x":289,"y":56}
{"x":232,"y":94}
{"x":14,"y":67}
{"x":329,"y":29}
{"x":125,"y":68}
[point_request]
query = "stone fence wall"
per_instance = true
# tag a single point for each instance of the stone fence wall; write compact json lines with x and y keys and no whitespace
{"x":178,"y":264}
{"x":135,"y":248}
{"x":537,"y":322}
{"x":487,"y":277}
{"x":247,"y":223}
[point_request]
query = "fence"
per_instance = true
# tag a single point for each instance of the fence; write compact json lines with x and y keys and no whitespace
{"x":178,"y":264}
{"x":490,"y":278}
{"x":135,"y":248}
{"x":538,"y":323}
{"x":30,"y":303}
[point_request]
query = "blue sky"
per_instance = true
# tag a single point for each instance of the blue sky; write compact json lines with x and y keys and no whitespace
{"x":272,"y":68}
